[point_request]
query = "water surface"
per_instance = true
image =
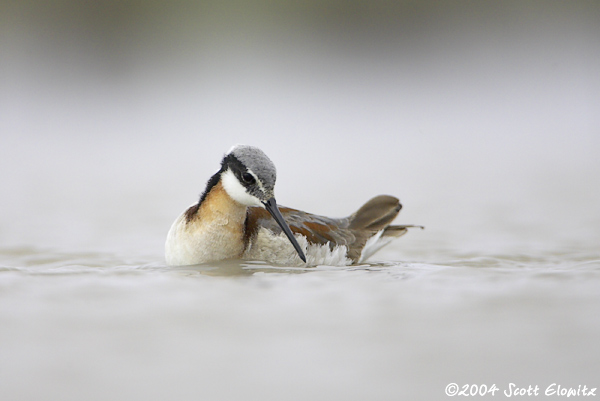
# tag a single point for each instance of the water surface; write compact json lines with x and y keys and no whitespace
{"x":482,"y":119}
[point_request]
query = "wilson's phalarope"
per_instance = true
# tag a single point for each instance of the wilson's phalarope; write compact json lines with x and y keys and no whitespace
{"x":237,"y":217}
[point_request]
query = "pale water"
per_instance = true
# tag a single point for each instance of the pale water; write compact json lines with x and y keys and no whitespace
{"x":497,"y":289}
{"x":495,"y":153}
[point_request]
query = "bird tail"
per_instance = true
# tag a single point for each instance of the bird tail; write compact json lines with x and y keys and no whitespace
{"x":372,"y":223}
{"x":397,"y":231}
{"x":376,"y":214}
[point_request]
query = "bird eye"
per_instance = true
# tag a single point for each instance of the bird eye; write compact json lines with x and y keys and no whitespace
{"x":248,"y":178}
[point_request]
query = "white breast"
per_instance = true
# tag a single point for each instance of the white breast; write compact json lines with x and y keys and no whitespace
{"x":200,"y":242}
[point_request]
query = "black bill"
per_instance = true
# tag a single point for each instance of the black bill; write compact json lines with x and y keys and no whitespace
{"x":271,"y":206}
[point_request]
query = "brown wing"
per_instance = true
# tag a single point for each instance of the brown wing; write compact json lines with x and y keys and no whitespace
{"x":317,"y":229}
{"x":376,"y":214}
{"x":352,"y":231}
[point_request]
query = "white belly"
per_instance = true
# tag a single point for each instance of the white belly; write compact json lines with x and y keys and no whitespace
{"x":278,"y":250}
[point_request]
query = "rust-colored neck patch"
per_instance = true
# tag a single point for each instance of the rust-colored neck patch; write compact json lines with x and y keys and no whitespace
{"x":216,"y":202}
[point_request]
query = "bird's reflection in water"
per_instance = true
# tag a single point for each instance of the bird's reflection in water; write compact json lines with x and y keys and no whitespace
{"x":236,"y":268}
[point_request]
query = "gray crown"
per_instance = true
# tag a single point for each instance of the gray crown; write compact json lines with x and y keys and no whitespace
{"x":258,"y":162}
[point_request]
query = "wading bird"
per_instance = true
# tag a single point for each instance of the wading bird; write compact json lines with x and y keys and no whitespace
{"x":237,"y":217}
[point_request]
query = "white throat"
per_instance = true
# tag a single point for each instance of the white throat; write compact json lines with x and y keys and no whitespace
{"x":237,"y":191}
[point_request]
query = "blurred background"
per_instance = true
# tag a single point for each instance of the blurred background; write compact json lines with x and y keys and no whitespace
{"x":115,"y":113}
{"x":483,"y":117}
